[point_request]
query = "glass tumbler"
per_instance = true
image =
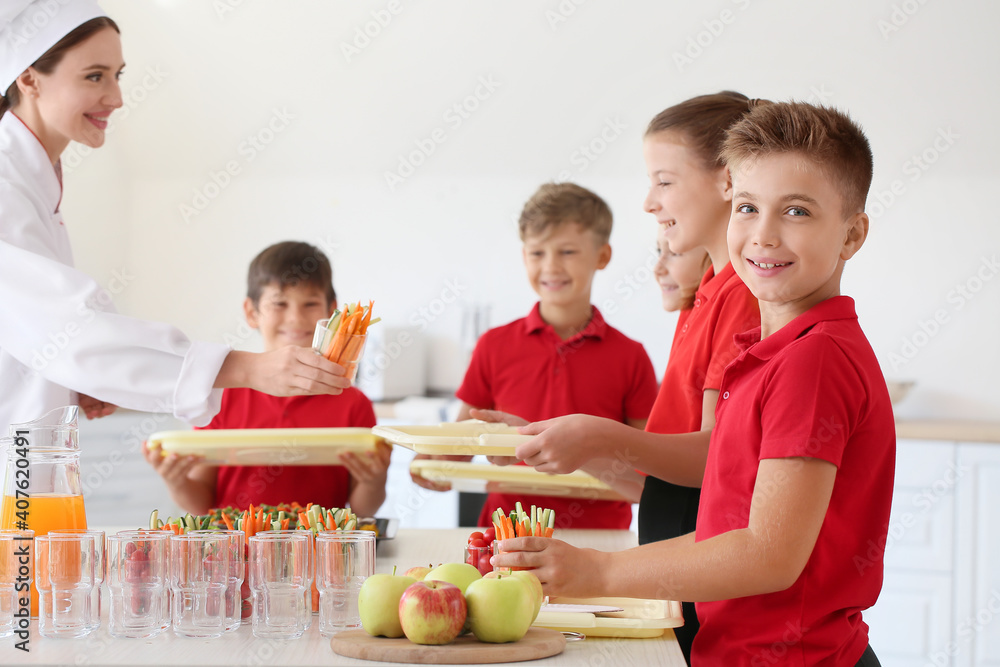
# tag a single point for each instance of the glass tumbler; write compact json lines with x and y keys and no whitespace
{"x":199,"y":575}
{"x":281,"y":574}
{"x":344,"y":559}
{"x":236,"y":555}
{"x":138,"y":567}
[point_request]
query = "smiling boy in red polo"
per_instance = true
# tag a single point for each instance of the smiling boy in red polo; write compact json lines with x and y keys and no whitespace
{"x":563,"y":358}
{"x":798,"y":482}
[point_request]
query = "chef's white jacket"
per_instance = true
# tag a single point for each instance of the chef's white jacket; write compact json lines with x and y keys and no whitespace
{"x":59,"y":333}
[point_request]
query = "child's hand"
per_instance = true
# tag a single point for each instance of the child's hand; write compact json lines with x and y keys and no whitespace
{"x":497,"y":417}
{"x":430,"y":484}
{"x":564,"y":444}
{"x":172,"y":468}
{"x":95,"y":409}
{"x":368,"y":467}
{"x":563,"y":569}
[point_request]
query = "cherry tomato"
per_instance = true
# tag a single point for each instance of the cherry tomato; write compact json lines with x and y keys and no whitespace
{"x":475,"y":536}
{"x":471,"y":560}
{"x":478,"y":543}
{"x":489,"y":535}
{"x":484,"y":564}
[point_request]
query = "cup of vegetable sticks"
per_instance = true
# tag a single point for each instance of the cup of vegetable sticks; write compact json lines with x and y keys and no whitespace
{"x":342,"y":337}
{"x":539,"y":522}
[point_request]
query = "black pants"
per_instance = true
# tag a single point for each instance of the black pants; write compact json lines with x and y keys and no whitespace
{"x":868,"y":659}
{"x":665,"y":511}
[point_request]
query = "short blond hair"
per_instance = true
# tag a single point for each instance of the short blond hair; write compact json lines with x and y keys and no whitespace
{"x":825,"y":136}
{"x":556,"y":204}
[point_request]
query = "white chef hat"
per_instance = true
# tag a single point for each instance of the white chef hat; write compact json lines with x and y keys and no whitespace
{"x":29,"y":28}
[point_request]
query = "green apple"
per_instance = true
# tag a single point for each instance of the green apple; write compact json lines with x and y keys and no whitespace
{"x":378,"y":604}
{"x":501,"y":608}
{"x":534,"y":584}
{"x":460,"y":574}
{"x":432,"y":612}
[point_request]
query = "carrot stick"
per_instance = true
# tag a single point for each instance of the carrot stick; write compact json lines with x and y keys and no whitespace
{"x":548,"y":532}
{"x":284,"y":524}
{"x":226,"y":520}
{"x":303,"y":521}
{"x":367,"y":318}
{"x":538,"y":528}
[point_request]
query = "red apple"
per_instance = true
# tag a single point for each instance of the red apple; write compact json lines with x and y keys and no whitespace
{"x":418,"y":572}
{"x":432,"y":612}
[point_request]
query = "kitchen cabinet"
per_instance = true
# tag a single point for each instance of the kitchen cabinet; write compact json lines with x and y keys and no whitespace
{"x":940,"y":600}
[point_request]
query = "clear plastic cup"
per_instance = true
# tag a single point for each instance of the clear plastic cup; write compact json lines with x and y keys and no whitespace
{"x":138,"y":569}
{"x":99,"y":568}
{"x":281,"y":574}
{"x":16,"y":561}
{"x":199,"y":575}
{"x":347,"y":353}
{"x":65,"y":578}
{"x":237,"y":572}
{"x":344,"y":559}
{"x":479,"y":557}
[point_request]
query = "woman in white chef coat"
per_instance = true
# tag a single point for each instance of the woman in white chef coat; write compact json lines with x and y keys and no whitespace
{"x":60,"y":343}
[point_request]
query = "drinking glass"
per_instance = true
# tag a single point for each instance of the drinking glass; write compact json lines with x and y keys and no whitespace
{"x":281,"y":574}
{"x":199,"y":575}
{"x":15,"y":572}
{"x":99,"y":573}
{"x":138,"y":568}
{"x":344,"y":559}
{"x":65,"y":579}
{"x":236,"y":551}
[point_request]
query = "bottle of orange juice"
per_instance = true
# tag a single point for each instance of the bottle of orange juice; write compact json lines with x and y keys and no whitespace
{"x":41,"y":490}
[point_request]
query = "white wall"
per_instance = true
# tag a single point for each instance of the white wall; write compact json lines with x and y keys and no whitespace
{"x":201,"y":81}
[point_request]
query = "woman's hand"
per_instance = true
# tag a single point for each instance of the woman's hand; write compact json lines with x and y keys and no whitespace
{"x":95,"y":409}
{"x":172,"y":468}
{"x":563,"y":569}
{"x":288,"y":371}
{"x":564,"y":444}
{"x":368,"y":467}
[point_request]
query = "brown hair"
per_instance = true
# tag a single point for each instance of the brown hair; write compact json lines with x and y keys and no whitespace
{"x":290,"y":263}
{"x":703,"y":122}
{"x":51,"y":58}
{"x":556,"y":204}
{"x":825,"y":136}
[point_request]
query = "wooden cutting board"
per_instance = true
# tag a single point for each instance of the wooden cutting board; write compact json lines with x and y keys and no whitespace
{"x":537,"y":643}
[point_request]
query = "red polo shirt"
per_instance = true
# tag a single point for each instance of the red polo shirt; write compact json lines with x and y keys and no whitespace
{"x":329,"y":486}
{"x":702,"y":348}
{"x":525,"y":369}
{"x":812,"y":389}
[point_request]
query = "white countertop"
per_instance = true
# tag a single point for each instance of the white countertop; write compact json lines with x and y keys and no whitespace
{"x":409,"y":548}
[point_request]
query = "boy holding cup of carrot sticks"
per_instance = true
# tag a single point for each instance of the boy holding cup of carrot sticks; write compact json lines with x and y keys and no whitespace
{"x":289,"y":289}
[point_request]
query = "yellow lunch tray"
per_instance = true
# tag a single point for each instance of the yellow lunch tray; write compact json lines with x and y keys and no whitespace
{"x":640,"y":618}
{"x":466,"y":438}
{"x":267,"y":446}
{"x":516,"y":479}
